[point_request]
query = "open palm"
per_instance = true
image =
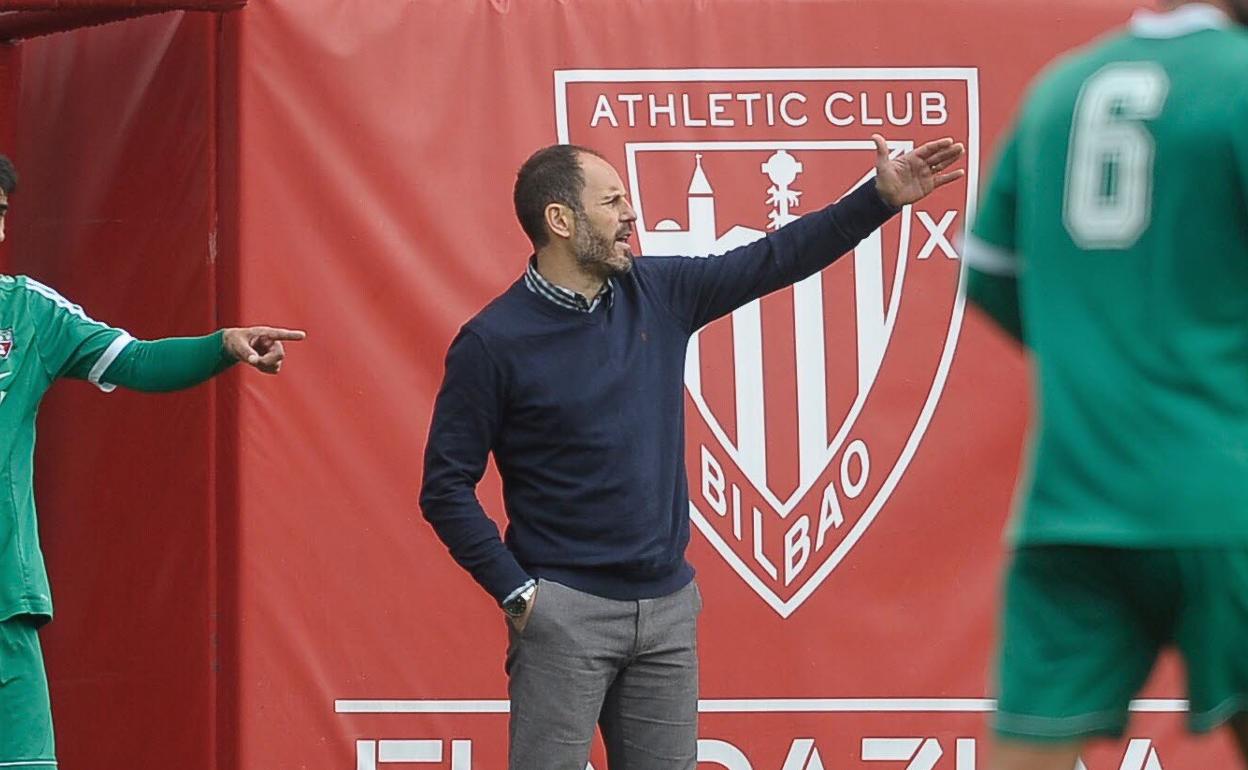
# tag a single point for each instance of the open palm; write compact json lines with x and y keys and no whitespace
{"x":913,"y":176}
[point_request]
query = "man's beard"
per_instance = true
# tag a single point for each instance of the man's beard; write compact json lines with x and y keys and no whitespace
{"x":596,"y":254}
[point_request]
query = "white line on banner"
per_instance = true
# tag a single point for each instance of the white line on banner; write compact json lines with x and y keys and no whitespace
{"x":739,"y":706}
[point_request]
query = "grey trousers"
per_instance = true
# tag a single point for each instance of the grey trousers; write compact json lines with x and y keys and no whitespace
{"x":629,"y":667}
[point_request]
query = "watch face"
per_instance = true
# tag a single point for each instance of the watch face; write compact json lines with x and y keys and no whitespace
{"x":516,"y":606}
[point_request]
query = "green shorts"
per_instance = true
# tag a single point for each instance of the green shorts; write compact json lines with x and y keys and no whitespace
{"x":25,"y":711}
{"x":1083,"y":625}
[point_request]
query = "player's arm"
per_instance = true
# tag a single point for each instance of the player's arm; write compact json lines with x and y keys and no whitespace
{"x":467,"y":417}
{"x":72,"y":344}
{"x":997,"y":296}
{"x":989,"y":251}
{"x":701,"y":290}
{"x":175,"y":363}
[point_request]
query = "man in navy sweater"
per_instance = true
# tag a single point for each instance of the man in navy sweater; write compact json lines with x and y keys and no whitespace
{"x":574,"y":378}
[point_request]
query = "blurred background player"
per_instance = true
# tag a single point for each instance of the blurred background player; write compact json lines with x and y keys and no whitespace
{"x":1113,"y":241}
{"x":44,"y":336}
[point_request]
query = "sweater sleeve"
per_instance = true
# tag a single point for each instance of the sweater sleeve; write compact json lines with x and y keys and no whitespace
{"x":699,"y":290}
{"x":167,"y":364}
{"x":467,"y":416}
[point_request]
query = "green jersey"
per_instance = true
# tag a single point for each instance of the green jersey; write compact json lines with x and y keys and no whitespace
{"x":43,"y":336}
{"x":1120,"y":204}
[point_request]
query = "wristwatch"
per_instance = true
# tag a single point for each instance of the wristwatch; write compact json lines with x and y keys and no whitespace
{"x":517,"y":605}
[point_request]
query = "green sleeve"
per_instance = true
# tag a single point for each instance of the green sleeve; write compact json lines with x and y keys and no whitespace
{"x":996,"y":222}
{"x":68,"y":341}
{"x":991,"y":247}
{"x":173,"y":363}
{"x":996,"y":295}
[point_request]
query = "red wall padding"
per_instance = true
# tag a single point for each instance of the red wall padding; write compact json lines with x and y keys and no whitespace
{"x":117,"y":210}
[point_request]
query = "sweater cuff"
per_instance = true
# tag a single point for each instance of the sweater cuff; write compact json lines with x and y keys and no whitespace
{"x":863,"y":211}
{"x":503,"y":577}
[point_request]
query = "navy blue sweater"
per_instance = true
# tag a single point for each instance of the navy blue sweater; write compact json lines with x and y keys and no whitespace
{"x":584,"y":413}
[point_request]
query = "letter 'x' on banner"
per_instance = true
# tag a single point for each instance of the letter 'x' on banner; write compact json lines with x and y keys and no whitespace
{"x":937,"y":237}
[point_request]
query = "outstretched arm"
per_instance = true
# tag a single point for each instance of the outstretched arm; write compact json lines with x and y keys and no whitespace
{"x":700,"y":290}
{"x":175,"y":363}
{"x":70,"y":343}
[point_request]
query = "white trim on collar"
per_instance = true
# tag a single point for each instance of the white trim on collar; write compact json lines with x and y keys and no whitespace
{"x":1184,"y":20}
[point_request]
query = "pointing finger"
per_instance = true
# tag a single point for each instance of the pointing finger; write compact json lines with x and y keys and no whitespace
{"x":274,"y":333}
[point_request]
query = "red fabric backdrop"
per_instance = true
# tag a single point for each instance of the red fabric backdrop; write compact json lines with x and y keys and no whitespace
{"x":116,"y":208}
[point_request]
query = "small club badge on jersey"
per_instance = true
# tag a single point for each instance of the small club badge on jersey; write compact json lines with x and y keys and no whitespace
{"x":6,"y":342}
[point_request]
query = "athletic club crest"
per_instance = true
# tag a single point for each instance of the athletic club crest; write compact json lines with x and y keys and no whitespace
{"x":804,"y":408}
{"x":6,"y":342}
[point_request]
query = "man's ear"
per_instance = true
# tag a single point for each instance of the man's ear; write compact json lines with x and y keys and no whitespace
{"x":559,"y":219}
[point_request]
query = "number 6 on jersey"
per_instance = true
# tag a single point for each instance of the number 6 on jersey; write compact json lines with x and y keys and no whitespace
{"x":1109,"y":177}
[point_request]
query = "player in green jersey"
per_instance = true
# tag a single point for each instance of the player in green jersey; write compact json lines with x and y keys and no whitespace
{"x":44,"y":336}
{"x":1113,"y":241}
